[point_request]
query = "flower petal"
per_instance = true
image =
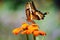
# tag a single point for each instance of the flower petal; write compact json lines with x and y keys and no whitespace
{"x":16,"y":31}
{"x":24,"y":25}
{"x":42,"y":33}
{"x":36,"y":33}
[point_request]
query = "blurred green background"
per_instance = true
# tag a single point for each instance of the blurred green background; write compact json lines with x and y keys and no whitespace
{"x":12,"y":15}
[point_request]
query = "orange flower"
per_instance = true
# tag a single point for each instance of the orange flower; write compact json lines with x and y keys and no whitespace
{"x":23,"y":32}
{"x":24,"y":25}
{"x":16,"y":31}
{"x":29,"y":29}
{"x":36,"y":33}
{"x":26,"y":32}
{"x":33,"y":27}
{"x":42,"y":33}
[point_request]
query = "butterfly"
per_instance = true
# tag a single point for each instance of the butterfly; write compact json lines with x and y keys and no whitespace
{"x":32,"y":13}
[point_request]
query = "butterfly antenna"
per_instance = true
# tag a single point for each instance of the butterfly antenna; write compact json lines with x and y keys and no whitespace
{"x":46,"y":13}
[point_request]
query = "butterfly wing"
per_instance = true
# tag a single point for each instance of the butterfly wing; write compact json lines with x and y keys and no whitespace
{"x":32,"y":13}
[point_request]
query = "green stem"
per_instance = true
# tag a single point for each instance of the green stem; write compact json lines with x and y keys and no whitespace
{"x":27,"y":37}
{"x":34,"y":37}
